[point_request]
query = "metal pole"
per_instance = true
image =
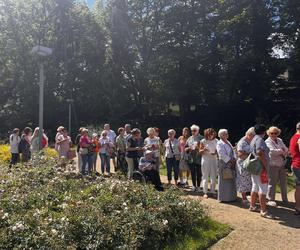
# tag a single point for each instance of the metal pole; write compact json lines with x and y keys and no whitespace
{"x":41,"y":105}
{"x":70,"y":117}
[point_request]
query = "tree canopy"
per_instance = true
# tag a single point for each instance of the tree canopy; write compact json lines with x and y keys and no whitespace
{"x":164,"y":62}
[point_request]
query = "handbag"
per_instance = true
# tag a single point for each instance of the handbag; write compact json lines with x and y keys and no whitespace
{"x":83,"y":151}
{"x":253,"y":165}
{"x":71,"y":154}
{"x":227,"y":174}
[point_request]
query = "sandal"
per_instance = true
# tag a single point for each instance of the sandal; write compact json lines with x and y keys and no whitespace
{"x":254,"y":209}
{"x":266,"y":215}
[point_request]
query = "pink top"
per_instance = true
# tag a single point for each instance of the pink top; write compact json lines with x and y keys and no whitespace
{"x":84,"y":139}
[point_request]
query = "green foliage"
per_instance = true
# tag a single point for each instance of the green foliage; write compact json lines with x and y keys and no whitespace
{"x":131,"y":60}
{"x":45,"y":207}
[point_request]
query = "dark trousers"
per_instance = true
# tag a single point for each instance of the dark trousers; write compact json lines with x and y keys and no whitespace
{"x":121,"y":162}
{"x":86,"y":159}
{"x":154,"y":177}
{"x":196,"y":174}
{"x":14,"y":159}
{"x":105,"y":163}
{"x":172,"y":164}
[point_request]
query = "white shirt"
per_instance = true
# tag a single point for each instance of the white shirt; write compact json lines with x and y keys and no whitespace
{"x":14,"y":143}
{"x":111,"y":135}
{"x":276,"y":151}
{"x":175,"y":147}
{"x":105,"y":144}
{"x":153,"y":145}
{"x":225,"y":151}
{"x":211,"y":146}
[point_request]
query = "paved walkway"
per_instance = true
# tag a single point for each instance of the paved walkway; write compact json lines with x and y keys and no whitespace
{"x":250,"y":231}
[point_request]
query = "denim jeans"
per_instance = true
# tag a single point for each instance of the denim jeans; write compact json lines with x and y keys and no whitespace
{"x":105,"y":163}
{"x":86,"y":159}
{"x":172,"y":164}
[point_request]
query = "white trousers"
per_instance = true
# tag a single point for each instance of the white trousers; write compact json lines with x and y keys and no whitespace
{"x":209,"y":170}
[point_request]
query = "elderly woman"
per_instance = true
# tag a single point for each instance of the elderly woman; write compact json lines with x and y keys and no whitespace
{"x":183,"y":166}
{"x":244,"y":183}
{"x":172,"y":155}
{"x":148,"y":168}
{"x":194,"y":157}
{"x":152,"y":142}
{"x":260,"y":181}
{"x":209,"y":164}
{"x":106,"y":147}
{"x":278,"y":152}
{"x":85,"y":152}
{"x":226,"y":173}
{"x":63,"y":143}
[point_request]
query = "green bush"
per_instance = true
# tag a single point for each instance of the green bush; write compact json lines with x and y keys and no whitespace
{"x":45,"y":207}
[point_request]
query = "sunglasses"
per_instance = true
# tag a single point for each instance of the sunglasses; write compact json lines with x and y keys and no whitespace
{"x":274,"y":133}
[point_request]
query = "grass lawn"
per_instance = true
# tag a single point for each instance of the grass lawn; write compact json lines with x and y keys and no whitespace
{"x":205,"y":236}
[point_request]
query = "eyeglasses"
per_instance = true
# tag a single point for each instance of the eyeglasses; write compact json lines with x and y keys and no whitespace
{"x":274,"y":133}
{"x":194,"y":130}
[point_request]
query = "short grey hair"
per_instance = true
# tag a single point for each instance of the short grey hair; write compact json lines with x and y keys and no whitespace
{"x":222,"y":132}
{"x":195,"y":127}
{"x":250,"y":131}
{"x":171,"y":131}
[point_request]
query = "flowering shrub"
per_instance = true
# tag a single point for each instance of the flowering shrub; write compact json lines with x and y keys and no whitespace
{"x":45,"y":207}
{"x":4,"y":153}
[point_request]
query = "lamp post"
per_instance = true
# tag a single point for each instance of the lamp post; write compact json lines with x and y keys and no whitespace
{"x":70,"y":101}
{"x":42,"y":52}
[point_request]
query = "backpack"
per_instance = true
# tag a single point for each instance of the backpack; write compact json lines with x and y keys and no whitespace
{"x":22,"y":145}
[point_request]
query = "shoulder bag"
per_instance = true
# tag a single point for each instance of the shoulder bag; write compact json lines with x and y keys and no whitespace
{"x":252,"y":164}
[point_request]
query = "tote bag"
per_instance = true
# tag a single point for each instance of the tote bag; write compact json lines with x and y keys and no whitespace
{"x":253,"y":165}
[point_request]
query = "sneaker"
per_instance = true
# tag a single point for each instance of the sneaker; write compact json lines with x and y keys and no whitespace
{"x":267,"y":215}
{"x":254,"y":209}
{"x":272,"y":204}
{"x":194,"y":189}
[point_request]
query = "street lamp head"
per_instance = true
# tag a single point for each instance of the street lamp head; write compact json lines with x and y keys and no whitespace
{"x":41,"y":51}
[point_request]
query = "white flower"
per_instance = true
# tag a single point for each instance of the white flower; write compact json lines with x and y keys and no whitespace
{"x":165,"y":222}
{"x":18,"y":227}
{"x":5,"y":216}
{"x":63,"y":205}
{"x":124,"y":204}
{"x":54,"y":231}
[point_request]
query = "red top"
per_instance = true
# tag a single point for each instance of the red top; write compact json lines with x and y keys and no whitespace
{"x":294,"y":149}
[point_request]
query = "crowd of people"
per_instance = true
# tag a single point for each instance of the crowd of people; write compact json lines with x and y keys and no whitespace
{"x":253,"y":167}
